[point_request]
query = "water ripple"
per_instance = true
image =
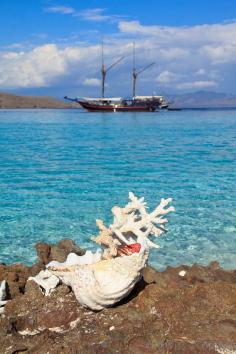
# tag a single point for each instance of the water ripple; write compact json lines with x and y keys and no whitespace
{"x":60,"y":170}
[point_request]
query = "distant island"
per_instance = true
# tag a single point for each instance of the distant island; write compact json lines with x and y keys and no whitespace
{"x":8,"y":100}
{"x":202,"y":99}
{"x":199,"y":99}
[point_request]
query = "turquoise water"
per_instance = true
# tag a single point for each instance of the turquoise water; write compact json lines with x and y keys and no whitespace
{"x":62,"y":169}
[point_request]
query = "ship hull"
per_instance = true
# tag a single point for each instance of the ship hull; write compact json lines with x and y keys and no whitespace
{"x":91,"y":107}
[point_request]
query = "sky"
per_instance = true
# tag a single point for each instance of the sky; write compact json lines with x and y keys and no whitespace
{"x":53,"y":47}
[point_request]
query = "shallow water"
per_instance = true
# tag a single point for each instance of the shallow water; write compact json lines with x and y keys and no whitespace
{"x":62,"y":169}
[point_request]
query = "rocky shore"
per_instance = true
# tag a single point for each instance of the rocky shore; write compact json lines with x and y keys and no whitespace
{"x":181,"y":310}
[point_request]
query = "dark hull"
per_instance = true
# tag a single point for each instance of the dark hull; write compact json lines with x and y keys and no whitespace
{"x":91,"y":107}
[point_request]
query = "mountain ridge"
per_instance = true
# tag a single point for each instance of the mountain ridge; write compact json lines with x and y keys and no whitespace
{"x":203,"y":99}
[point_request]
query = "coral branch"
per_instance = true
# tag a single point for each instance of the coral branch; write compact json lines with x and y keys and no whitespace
{"x":105,"y":238}
{"x":132,"y":222}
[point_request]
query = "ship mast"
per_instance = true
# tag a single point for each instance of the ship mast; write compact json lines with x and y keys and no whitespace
{"x":104,"y":70}
{"x":136,"y":73}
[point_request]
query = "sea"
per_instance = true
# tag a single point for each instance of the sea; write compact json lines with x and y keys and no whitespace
{"x":60,"y":170}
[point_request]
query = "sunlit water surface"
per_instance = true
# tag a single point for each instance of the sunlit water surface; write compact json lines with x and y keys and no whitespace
{"x":62,"y":169}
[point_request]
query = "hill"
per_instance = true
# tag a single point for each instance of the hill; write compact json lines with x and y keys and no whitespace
{"x":202,"y":99}
{"x":14,"y":101}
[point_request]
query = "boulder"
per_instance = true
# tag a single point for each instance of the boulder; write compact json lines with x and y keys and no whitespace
{"x":59,"y":252}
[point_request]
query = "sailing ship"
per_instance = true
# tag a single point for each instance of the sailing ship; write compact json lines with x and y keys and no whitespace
{"x":119,"y":104}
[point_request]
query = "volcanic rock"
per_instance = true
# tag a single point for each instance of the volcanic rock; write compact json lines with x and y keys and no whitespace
{"x":181,"y":310}
{"x":58,"y":252}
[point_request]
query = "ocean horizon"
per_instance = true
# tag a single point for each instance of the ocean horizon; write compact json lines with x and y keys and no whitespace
{"x":63,"y":169}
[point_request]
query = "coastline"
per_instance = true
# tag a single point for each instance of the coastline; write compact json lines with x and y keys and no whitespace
{"x":187,"y":309}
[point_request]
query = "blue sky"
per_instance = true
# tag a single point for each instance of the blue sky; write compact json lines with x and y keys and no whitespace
{"x":53,"y":47}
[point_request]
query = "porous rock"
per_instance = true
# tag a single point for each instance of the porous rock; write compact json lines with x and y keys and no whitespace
{"x":59,"y":252}
{"x":165,"y":313}
{"x":16,"y":276}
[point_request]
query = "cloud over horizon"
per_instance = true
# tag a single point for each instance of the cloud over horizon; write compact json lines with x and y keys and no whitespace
{"x":187,"y":58}
{"x":90,"y":14}
{"x":64,"y":10}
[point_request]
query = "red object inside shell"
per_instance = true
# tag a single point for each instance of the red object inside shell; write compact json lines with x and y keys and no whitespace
{"x":134,"y":247}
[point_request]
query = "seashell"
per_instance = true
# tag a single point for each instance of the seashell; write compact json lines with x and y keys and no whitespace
{"x":88,"y":258}
{"x":104,"y":283}
{"x":3,"y":296}
{"x":46,"y":280}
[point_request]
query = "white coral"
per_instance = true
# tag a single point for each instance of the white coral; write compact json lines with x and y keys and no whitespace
{"x":133,"y":221}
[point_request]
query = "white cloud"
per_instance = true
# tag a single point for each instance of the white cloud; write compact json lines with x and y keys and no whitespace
{"x":9,"y":55}
{"x":47,"y":65}
{"x":200,"y":72}
{"x":174,"y":53}
{"x":15,"y":46}
{"x":186,"y":58}
{"x":216,"y":33}
{"x":64,"y":10}
{"x":224,"y":53}
{"x":95,"y":15}
{"x":185,"y":49}
{"x":36,"y":68}
{"x":39,"y":35}
{"x":92,"y":82}
{"x":197,"y":85}
{"x":166,"y":77}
